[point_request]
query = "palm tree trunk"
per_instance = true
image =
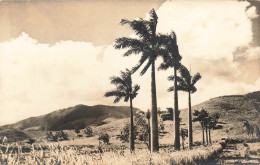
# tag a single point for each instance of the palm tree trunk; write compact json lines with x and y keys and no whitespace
{"x":207,"y":139}
{"x":203,"y":139}
{"x":190,"y":123}
{"x":182,"y":141}
{"x":209,"y":136}
{"x":132,"y":143}
{"x":176,"y":108}
{"x":149,"y":135}
{"x":154,"y":122}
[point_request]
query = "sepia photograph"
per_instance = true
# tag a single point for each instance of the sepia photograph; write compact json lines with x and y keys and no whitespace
{"x":129,"y":82}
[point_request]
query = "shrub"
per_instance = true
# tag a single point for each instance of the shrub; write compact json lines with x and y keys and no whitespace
{"x":104,"y":137}
{"x":88,"y":131}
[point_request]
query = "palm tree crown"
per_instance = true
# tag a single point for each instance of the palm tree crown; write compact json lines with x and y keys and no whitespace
{"x":186,"y":82}
{"x":147,"y":44}
{"x":123,"y":88}
{"x":170,"y":52}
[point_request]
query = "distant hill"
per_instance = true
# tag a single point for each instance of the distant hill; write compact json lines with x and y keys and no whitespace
{"x":233,"y":110}
{"x":79,"y":116}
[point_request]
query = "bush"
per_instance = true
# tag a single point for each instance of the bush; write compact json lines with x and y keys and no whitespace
{"x":125,"y":133}
{"x":104,"y":137}
{"x":140,"y":130}
{"x":31,"y":141}
{"x":88,"y":131}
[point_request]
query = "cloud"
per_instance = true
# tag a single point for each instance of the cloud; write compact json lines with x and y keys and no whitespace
{"x":38,"y":78}
{"x":247,"y":53}
{"x":251,"y":12}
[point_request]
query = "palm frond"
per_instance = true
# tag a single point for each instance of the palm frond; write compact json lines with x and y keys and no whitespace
{"x":179,"y":88}
{"x":136,"y":88}
{"x":117,"y":80}
{"x":139,"y":26}
{"x":164,"y":66}
{"x":193,"y":89}
{"x":143,"y":58}
{"x":126,"y":42}
{"x":126,"y":98}
{"x":185,"y":74}
{"x":195,"y":78}
{"x":146,"y":67}
{"x":115,"y":93}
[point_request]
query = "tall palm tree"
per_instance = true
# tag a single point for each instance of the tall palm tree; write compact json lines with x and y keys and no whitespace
{"x":186,"y":83}
{"x":145,"y":44}
{"x":171,"y":59}
{"x":124,"y":90}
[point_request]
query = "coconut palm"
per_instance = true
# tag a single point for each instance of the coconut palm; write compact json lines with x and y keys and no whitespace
{"x":186,"y":83}
{"x":147,"y":46}
{"x":171,"y":59}
{"x":125,"y":90}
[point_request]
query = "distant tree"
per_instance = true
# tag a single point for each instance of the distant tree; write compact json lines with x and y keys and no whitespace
{"x":213,"y":121}
{"x":184,"y":134}
{"x":88,"y":132}
{"x":200,"y":116}
{"x":104,"y":137}
{"x":148,"y":129}
{"x":31,"y":141}
{"x":124,"y":134}
{"x":140,"y":130}
{"x":249,"y":128}
{"x":186,"y":83}
{"x":77,"y":130}
{"x":124,"y":89}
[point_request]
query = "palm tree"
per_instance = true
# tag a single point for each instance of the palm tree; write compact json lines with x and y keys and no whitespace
{"x":186,"y":83}
{"x":145,"y":44}
{"x":171,"y":59}
{"x":125,"y":90}
{"x":213,"y":121}
{"x":201,"y":117}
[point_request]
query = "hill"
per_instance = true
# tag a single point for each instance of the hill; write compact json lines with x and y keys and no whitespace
{"x":78,"y":116}
{"x":233,"y":110}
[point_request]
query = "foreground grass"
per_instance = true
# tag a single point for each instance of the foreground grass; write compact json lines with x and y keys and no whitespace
{"x":64,"y":155}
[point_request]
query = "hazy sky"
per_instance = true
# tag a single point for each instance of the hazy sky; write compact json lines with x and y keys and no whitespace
{"x":59,"y":54}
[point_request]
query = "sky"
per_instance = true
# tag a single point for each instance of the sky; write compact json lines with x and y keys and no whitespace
{"x":55,"y":55}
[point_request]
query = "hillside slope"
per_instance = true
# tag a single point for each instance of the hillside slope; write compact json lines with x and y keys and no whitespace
{"x":233,"y":110}
{"x":79,"y":116}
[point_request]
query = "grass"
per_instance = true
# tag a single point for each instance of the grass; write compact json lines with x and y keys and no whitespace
{"x":57,"y":154}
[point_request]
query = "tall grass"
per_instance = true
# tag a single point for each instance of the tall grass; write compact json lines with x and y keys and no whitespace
{"x":64,"y":155}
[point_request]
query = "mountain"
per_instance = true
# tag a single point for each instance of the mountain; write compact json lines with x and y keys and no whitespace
{"x":78,"y":116}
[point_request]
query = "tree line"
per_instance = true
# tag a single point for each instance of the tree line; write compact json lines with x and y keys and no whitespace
{"x":150,"y":45}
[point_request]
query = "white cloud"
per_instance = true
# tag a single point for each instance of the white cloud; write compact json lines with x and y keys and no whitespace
{"x":39,"y":78}
{"x":251,"y":12}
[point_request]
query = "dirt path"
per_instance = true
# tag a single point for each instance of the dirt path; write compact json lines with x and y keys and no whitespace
{"x":241,"y":153}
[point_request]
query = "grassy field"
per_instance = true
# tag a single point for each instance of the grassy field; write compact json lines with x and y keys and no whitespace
{"x":58,"y":154}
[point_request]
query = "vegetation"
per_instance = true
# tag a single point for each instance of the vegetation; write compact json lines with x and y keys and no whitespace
{"x":124,"y":89}
{"x":186,"y":83}
{"x":88,"y":132}
{"x":56,"y":154}
{"x":104,"y":137}
{"x":171,"y":59}
{"x":147,"y":45}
